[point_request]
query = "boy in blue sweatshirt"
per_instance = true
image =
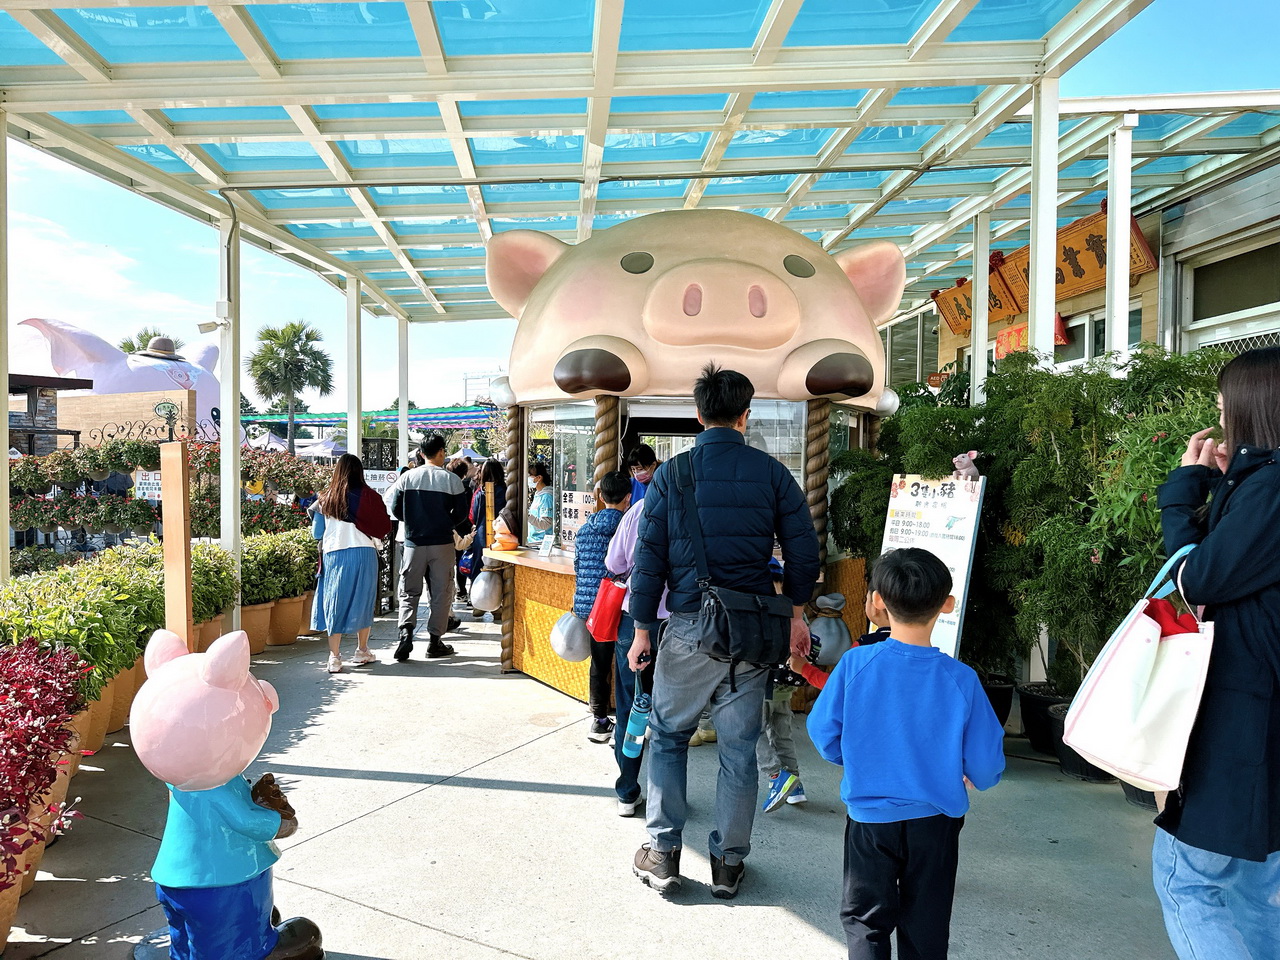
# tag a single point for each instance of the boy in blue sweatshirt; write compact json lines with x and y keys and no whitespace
{"x":912,"y":727}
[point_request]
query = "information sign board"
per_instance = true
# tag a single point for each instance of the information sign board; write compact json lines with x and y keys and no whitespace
{"x":940,"y":516}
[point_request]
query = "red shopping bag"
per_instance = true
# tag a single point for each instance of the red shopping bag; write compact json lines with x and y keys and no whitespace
{"x":606,"y":612}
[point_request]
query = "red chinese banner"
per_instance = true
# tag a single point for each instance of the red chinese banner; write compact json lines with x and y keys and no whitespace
{"x":1012,"y":340}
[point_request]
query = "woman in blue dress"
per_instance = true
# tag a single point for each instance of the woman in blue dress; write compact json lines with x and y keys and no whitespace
{"x":350,"y":520}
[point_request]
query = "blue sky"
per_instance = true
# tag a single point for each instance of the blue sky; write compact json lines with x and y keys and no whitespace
{"x":90,"y":253}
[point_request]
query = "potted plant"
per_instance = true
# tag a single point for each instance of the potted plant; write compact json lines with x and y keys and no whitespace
{"x":39,"y":695}
{"x":90,"y":462}
{"x":60,"y":467}
{"x":262,"y":584}
{"x":214,"y":588}
{"x":298,"y":555}
{"x":27,"y":473}
{"x":138,"y":515}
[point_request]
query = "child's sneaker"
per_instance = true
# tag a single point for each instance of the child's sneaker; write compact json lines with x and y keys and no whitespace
{"x":797,"y":794}
{"x":779,"y":788}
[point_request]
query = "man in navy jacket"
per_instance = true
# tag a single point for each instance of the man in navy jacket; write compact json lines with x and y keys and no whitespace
{"x":746,"y":500}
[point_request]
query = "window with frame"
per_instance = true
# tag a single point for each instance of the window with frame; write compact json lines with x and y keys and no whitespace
{"x":1087,"y":335}
{"x":910,"y":348}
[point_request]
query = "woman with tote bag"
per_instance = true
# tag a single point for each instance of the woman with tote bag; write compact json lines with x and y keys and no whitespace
{"x":1216,"y":858}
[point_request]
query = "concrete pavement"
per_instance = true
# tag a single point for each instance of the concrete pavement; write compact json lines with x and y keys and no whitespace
{"x":449,"y":811}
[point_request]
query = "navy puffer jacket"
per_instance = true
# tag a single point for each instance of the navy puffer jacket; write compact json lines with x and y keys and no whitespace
{"x":1230,"y":797}
{"x":746,"y":500}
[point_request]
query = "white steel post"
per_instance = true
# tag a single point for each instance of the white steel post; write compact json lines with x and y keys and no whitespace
{"x":4,"y":340}
{"x":402,"y":369}
{"x":228,"y":312}
{"x":1119,"y":206}
{"x":1044,"y":216}
{"x":354,"y":398}
{"x":979,"y":335}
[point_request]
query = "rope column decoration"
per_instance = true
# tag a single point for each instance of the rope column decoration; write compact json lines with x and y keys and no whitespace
{"x":817,"y":468}
{"x":607,"y":425}
{"x":515,"y":463}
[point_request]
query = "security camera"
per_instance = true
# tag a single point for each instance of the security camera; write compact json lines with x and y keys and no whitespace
{"x":211,"y":326}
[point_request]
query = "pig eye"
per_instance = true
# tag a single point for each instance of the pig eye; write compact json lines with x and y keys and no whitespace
{"x":637,"y":262}
{"x":798,"y":266}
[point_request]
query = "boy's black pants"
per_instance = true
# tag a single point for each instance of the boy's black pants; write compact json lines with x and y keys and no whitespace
{"x":900,"y":876}
{"x":599,"y":688}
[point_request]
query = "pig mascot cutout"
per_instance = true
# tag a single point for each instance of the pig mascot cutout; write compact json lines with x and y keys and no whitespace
{"x":639,"y":308}
{"x":197,"y":724}
{"x":75,"y":352}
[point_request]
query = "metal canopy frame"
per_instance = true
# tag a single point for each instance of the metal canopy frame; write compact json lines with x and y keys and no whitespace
{"x":844,"y":143}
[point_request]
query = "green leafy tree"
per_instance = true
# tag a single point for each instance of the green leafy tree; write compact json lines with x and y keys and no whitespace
{"x":143,"y":337}
{"x":247,"y":409}
{"x":299,"y":406}
{"x":287,"y":361}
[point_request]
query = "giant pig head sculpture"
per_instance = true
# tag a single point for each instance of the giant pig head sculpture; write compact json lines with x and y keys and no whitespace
{"x":639,"y":309}
{"x":75,"y":352}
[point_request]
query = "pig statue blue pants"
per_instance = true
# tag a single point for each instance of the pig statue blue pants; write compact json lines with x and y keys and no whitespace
{"x":220,"y":923}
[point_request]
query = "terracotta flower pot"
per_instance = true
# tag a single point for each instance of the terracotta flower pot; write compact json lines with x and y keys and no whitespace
{"x":121,"y":700}
{"x":208,"y":632}
{"x":99,"y":713}
{"x":138,"y":673}
{"x":286,"y":618}
{"x":79,"y":727}
{"x":255,"y":620}
{"x":308,"y":604}
{"x":8,"y":909}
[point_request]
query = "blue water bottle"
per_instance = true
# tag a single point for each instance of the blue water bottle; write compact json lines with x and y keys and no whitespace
{"x":637,"y":723}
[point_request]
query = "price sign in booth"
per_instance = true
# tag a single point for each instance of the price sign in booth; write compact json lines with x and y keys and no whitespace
{"x":940,"y":516}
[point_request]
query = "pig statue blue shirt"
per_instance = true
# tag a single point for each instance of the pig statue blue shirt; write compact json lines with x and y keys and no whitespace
{"x":215,"y":838}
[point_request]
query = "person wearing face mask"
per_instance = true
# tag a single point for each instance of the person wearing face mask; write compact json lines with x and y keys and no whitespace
{"x":642,"y":462}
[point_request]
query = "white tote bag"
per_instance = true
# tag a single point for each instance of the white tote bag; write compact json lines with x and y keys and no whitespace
{"x":1133,"y":714}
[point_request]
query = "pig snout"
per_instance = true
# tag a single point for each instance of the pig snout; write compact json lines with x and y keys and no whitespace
{"x":721,"y":301}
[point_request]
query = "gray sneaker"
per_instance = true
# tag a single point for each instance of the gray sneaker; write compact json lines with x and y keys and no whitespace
{"x":725,"y":879}
{"x":660,"y":870}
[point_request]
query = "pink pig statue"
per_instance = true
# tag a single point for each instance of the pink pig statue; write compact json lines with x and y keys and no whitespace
{"x":197,"y":724}
{"x":76,"y":352}
{"x":639,"y":308}
{"x":966,"y":469}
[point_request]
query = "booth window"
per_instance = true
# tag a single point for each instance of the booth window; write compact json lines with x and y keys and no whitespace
{"x":562,"y":436}
{"x":778,"y":428}
{"x":911,"y":348}
{"x":1087,"y":335}
{"x":1235,"y":300}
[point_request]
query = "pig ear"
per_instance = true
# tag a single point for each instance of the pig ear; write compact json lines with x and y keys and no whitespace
{"x":878,"y":273}
{"x":73,"y":349}
{"x":204,"y":355}
{"x":973,"y":454}
{"x":161,"y":648}
{"x":514,"y":263}
{"x":226,"y":664}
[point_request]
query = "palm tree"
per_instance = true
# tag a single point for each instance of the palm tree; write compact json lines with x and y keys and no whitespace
{"x":287,"y":362}
{"x":143,"y":337}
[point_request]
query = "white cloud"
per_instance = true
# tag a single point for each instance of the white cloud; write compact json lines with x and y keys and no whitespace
{"x":53,"y":274}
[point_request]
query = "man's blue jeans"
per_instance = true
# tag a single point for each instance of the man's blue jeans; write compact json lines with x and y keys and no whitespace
{"x":686,"y":681}
{"x":1217,"y":907}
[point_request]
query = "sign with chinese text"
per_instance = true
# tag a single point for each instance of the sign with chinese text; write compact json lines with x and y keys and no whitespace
{"x":146,"y":484}
{"x":956,"y":304}
{"x":940,"y":516}
{"x":1081,"y":259}
{"x":1012,"y":340}
{"x":380,"y":480}
{"x":575,"y":507}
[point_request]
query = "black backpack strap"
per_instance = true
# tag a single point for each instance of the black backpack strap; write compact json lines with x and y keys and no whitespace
{"x":685,"y":483}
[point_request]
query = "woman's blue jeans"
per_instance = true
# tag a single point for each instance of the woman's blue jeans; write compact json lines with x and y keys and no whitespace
{"x":1217,"y":907}
{"x":624,"y":690}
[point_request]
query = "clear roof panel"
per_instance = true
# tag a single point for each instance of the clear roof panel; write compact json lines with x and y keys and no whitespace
{"x":533,"y":193}
{"x":158,"y":156}
{"x":490,"y":27}
{"x":333,"y":230}
{"x":1249,"y":125}
{"x":19,"y":48}
{"x":820,"y":211}
{"x":423,"y":226}
{"x":936,"y":96}
{"x":776,"y":143}
{"x":1157,"y":126}
{"x":520,"y":108}
{"x":642,"y":189}
{"x":336,"y":31}
{"x":822,"y":23}
{"x":374,"y":111}
{"x":642,"y":147}
{"x":993,"y":20}
{"x":728,"y":186}
{"x":372,"y":154}
{"x":1173,"y":164}
{"x":851,"y":180}
{"x":807,"y":99}
{"x":304,"y":199}
{"x":691,"y":24}
{"x":673,"y":104}
{"x":494,"y":151}
{"x":224,"y":114}
{"x":188,"y":34}
{"x":893,"y":139}
{"x":419,"y":194}
{"x":980,"y":176}
{"x":545,"y":224}
{"x":89,"y":117}
{"x":261,"y":157}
